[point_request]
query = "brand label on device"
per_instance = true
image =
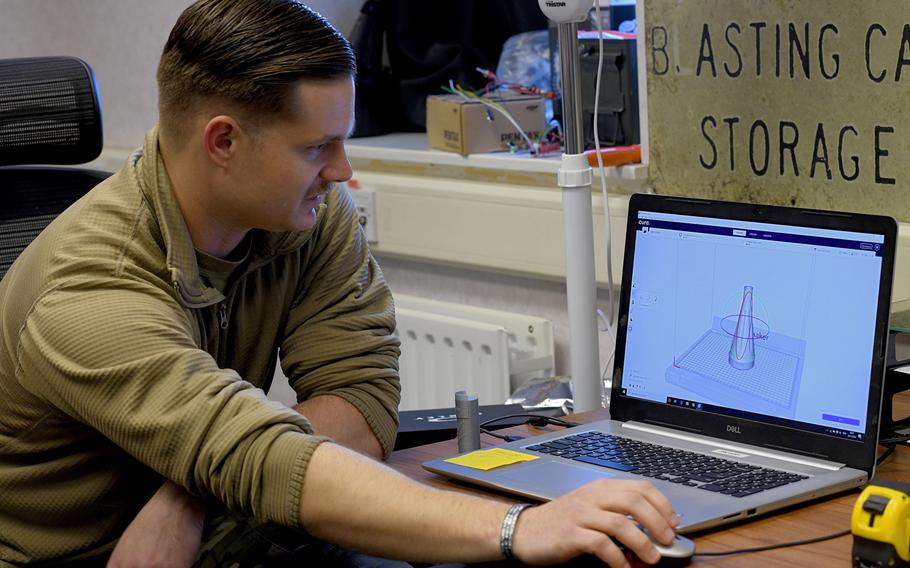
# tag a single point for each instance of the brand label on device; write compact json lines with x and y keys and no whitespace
{"x":731,"y":454}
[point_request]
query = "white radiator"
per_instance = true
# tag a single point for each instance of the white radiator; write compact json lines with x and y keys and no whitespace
{"x":447,"y":347}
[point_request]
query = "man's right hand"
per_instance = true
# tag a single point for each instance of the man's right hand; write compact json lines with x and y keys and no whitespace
{"x":591,"y":520}
{"x":375,"y":510}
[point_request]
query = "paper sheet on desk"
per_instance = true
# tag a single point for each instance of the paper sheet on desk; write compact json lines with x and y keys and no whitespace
{"x":491,"y":459}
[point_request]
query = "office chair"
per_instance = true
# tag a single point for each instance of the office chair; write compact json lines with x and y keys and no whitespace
{"x":49,"y":115}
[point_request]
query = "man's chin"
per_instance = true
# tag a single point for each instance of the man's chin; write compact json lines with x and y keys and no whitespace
{"x":305,"y":220}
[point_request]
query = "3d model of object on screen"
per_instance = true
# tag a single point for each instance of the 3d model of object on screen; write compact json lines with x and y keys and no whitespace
{"x":740,"y":362}
{"x":742,"y":345}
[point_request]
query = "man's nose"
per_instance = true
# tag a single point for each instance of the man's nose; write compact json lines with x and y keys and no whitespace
{"x":338,"y":168}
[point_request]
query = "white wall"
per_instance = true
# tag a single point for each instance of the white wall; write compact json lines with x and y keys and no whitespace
{"x":122,"y":41}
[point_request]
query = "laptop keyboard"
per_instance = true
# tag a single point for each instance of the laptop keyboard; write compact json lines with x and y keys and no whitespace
{"x":676,"y":466}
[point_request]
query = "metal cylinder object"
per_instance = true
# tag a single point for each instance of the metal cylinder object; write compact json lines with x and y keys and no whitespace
{"x":467,"y":416}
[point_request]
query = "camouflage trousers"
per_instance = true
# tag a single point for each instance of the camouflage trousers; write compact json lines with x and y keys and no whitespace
{"x":237,"y":542}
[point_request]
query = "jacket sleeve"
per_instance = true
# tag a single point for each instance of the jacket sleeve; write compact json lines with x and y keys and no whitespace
{"x":120,"y":357}
{"x":339,"y":337}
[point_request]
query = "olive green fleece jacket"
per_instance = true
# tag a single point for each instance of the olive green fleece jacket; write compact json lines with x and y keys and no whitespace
{"x":120,"y":367}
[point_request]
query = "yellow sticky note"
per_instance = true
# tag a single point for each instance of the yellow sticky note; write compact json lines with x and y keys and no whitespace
{"x":491,"y":459}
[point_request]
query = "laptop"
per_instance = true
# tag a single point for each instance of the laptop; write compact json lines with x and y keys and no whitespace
{"x":750,"y":353}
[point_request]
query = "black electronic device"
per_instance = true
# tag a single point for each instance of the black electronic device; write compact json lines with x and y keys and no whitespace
{"x":618,"y":122}
{"x":617,"y":112}
{"x":896,"y":380}
{"x":419,"y":427}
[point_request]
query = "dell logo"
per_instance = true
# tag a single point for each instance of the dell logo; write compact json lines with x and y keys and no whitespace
{"x":733,"y":429}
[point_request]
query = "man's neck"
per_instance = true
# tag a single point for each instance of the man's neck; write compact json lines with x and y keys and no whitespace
{"x":209,"y":233}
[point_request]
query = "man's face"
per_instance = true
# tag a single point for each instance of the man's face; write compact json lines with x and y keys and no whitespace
{"x":287,"y":165}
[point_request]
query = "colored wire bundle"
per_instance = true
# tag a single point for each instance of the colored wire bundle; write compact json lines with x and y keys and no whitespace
{"x":491,"y":104}
{"x":495,"y":84}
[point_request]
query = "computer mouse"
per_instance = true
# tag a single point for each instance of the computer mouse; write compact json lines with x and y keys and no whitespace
{"x":679,"y":553}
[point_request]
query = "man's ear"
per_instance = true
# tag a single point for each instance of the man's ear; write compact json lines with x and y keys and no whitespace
{"x":220,"y":139}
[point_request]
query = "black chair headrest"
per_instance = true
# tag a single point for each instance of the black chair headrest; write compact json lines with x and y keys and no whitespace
{"x":49,"y":111}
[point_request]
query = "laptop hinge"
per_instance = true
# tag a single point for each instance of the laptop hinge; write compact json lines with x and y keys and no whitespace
{"x":714,"y":443}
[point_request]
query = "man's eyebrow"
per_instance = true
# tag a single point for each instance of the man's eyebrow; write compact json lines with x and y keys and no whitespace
{"x":335,"y":138}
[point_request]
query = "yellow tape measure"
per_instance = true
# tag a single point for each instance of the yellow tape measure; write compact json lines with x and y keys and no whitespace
{"x":881,"y":526}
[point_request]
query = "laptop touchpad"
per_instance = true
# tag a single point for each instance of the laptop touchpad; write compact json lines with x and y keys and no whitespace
{"x":553,"y":478}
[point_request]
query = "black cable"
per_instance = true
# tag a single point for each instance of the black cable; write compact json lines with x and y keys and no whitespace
{"x":535,"y":419}
{"x":776,"y":546}
{"x":505,"y":437}
{"x":889,"y":449}
{"x":895,"y":433}
{"x":894,"y":440}
{"x":541,"y":421}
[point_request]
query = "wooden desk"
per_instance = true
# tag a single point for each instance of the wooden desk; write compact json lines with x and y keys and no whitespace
{"x":816,"y":518}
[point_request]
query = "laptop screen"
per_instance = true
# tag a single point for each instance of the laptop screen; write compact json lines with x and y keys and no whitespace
{"x":774,"y":323}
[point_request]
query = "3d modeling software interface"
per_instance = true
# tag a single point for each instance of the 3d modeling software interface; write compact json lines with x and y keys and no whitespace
{"x":743,"y":317}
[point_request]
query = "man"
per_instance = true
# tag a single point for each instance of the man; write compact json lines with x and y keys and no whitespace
{"x":136,"y":329}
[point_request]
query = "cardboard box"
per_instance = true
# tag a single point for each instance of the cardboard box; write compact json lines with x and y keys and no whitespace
{"x":469,"y":127}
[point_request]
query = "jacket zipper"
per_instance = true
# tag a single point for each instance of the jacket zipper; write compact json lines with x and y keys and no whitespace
{"x":222,"y":314}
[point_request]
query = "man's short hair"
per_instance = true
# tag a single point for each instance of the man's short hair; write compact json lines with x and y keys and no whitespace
{"x":248,"y":53}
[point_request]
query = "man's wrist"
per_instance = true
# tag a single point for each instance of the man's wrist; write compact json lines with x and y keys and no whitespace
{"x":507,"y":531}
{"x":183,"y":498}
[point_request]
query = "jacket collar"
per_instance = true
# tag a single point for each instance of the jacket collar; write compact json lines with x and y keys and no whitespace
{"x":150,"y":173}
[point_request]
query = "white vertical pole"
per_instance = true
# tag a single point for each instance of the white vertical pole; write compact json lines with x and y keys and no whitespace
{"x":575,"y":178}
